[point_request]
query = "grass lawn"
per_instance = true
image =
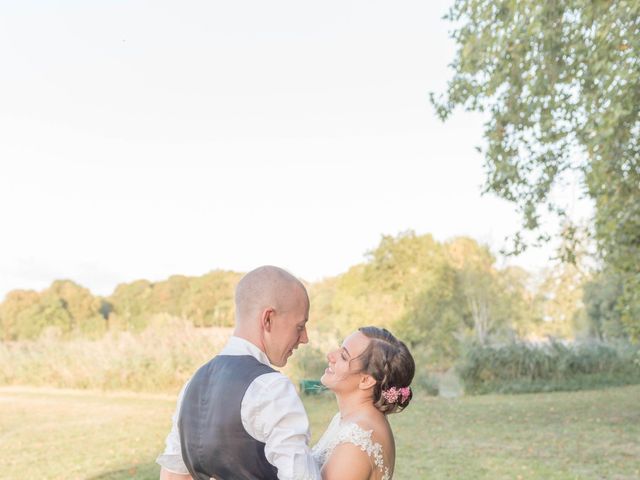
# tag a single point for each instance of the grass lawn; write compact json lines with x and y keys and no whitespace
{"x":589,"y":434}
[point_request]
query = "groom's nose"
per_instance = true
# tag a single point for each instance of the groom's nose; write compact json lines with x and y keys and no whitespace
{"x":304,"y":338}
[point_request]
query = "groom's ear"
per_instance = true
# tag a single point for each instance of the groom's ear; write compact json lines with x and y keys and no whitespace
{"x":265,"y":319}
{"x":366,"y":382}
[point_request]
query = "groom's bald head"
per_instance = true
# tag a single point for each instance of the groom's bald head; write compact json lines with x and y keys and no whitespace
{"x":265,"y":287}
{"x":272,"y":310}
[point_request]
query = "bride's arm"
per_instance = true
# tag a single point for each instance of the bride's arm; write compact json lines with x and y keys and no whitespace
{"x":167,"y":475}
{"x":347,"y":462}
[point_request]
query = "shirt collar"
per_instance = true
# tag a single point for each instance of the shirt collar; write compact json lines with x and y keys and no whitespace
{"x":240,"y":346}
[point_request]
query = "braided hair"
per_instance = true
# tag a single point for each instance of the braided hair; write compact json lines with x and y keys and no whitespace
{"x":390,"y":363}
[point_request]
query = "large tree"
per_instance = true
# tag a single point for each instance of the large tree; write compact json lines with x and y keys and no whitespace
{"x":495,"y":301}
{"x":560,"y":296}
{"x":399,"y":272}
{"x":560,"y":82}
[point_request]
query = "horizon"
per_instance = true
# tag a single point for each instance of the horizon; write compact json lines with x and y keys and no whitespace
{"x":500,"y":262}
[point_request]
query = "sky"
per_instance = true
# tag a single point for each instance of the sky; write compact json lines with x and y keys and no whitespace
{"x":145,"y":139}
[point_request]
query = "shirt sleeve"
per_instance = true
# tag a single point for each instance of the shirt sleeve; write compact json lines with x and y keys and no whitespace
{"x":273,"y":413}
{"x":171,"y":458}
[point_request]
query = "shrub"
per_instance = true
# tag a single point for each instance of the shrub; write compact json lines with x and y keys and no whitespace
{"x":526,"y":367}
{"x":425,"y":378}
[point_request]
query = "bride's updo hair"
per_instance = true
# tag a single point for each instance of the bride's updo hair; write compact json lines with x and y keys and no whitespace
{"x":389,"y":361}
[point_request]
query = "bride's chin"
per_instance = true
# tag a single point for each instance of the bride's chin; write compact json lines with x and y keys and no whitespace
{"x":323,"y":381}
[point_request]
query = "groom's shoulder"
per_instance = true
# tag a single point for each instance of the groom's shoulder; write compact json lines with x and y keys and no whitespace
{"x":274,"y":385}
{"x":273,"y":379}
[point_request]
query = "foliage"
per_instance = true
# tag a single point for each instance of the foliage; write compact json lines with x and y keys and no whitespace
{"x":600,"y":296}
{"x":400,"y":270}
{"x":628,"y":303}
{"x":65,"y":305}
{"x":16,"y":313}
{"x":130,"y":305}
{"x":430,"y":294}
{"x":426,"y":379}
{"x":560,"y":82}
{"x":160,"y":358}
{"x":560,"y":298}
{"x":433,"y":295}
{"x":206,"y":300}
{"x":496,"y":302}
{"x":520,"y":302}
{"x":435,"y":320}
{"x":309,"y":362}
{"x":520,"y":367}
{"x":406,"y":285}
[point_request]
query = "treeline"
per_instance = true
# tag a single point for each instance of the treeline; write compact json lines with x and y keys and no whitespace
{"x":440,"y":296}
{"x":72,"y":310}
{"x":436,"y":295}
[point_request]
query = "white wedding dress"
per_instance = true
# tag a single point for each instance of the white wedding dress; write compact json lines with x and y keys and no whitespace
{"x":348,"y":432}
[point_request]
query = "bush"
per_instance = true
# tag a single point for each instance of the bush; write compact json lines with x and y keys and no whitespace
{"x":307,"y":363}
{"x":525,"y":367}
{"x":425,"y":378}
{"x":428,"y":383}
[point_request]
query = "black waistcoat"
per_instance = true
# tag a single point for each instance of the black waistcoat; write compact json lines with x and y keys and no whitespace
{"x":214,"y":442}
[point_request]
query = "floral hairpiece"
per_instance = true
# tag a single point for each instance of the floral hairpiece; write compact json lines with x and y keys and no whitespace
{"x":392,"y":394}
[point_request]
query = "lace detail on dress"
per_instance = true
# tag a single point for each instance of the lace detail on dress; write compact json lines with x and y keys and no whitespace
{"x":338,"y":433}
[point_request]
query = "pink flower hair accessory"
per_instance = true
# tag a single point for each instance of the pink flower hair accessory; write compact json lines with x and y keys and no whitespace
{"x":392,"y":394}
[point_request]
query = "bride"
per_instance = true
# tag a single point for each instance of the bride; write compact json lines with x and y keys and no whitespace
{"x":370,"y":376}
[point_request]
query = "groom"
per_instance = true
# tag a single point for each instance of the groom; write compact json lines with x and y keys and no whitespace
{"x":238,"y":418}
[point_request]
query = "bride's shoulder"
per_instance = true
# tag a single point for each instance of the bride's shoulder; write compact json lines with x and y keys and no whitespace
{"x":373,"y":438}
{"x":358,"y":441}
{"x":370,"y":433}
{"x":347,"y":460}
{"x":377,"y":426}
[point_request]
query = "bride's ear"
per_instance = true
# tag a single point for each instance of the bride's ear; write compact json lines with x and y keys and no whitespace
{"x":366,"y":382}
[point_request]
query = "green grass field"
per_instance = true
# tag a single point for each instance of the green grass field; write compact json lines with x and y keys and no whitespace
{"x":69,"y":434}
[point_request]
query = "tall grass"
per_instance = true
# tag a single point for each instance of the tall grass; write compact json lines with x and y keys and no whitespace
{"x":525,"y":367}
{"x":158,"y":359}
{"x":163,"y":356}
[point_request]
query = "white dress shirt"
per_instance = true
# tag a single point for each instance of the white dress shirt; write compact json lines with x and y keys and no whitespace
{"x":283,"y":429}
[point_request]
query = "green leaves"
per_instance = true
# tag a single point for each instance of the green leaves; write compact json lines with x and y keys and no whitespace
{"x":64,"y":306}
{"x":562,"y":83}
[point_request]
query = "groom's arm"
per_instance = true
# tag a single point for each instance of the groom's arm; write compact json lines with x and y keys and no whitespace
{"x":273,"y":413}
{"x":173,"y":467}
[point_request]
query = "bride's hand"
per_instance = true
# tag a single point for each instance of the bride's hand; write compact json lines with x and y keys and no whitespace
{"x":347,"y":462}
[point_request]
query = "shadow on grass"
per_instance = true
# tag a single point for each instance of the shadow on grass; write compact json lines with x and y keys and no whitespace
{"x":145,"y":471}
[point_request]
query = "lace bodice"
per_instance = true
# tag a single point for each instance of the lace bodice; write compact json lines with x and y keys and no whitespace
{"x":348,"y":432}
